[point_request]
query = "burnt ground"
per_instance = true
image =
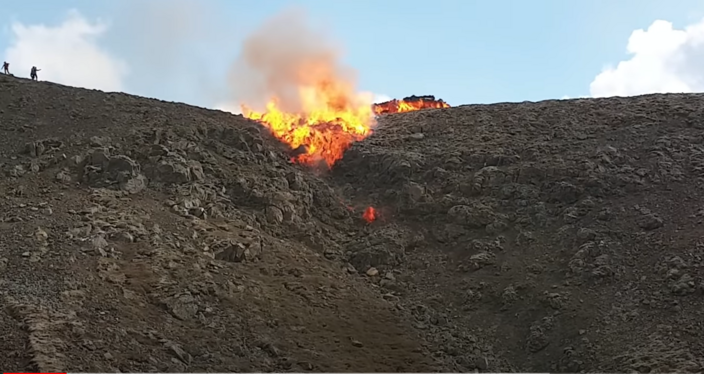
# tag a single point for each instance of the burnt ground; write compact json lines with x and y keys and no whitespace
{"x":139,"y":235}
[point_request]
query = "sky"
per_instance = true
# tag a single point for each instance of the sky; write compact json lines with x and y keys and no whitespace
{"x":463,"y":51}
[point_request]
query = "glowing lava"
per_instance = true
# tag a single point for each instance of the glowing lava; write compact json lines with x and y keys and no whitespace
{"x":409,"y":104}
{"x":369,"y":214}
{"x":291,"y":78}
{"x":333,"y":117}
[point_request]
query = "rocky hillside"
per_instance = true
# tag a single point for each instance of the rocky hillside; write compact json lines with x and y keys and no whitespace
{"x":139,"y":235}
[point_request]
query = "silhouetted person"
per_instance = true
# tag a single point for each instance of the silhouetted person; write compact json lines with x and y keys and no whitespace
{"x":33,"y":73}
{"x":6,"y":67}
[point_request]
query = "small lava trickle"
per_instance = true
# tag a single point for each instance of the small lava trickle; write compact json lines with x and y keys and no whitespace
{"x":369,"y":214}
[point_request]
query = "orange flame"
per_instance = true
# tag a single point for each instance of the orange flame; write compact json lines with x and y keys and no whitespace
{"x":333,"y":118}
{"x":327,"y":127}
{"x":312,"y":102}
{"x":409,"y":104}
{"x":369,"y":214}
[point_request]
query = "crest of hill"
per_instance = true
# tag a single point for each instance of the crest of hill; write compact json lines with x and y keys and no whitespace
{"x":139,"y":235}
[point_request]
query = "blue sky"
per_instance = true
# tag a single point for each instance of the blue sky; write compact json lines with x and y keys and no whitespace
{"x":462,"y":51}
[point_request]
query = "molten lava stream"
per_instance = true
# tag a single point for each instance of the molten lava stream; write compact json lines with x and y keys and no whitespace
{"x":409,"y":104}
{"x":321,"y":135}
{"x":369,"y":214}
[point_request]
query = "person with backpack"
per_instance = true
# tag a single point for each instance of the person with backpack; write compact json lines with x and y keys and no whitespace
{"x":6,"y":67}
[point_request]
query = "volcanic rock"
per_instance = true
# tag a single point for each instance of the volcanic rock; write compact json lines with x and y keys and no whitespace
{"x":140,"y":235}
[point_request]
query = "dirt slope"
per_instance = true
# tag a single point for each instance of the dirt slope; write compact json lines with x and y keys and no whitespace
{"x":219,"y":265}
{"x":140,"y":235}
{"x":559,"y":236}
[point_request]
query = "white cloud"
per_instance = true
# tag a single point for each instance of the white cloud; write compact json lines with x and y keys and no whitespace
{"x":663,"y":60}
{"x":68,"y":54}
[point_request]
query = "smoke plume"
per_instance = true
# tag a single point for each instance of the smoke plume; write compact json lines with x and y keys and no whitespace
{"x":288,"y":60}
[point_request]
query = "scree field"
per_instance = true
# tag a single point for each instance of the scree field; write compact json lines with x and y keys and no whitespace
{"x":140,"y":235}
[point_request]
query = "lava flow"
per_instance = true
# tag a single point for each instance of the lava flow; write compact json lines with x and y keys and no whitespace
{"x":333,"y":118}
{"x":369,"y":214}
{"x":409,"y":104}
{"x":290,"y":77}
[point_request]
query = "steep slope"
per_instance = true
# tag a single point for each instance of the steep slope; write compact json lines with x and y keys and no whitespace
{"x":552,"y":236}
{"x":140,"y":235}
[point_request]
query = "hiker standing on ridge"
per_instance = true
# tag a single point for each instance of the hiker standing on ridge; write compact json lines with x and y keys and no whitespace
{"x":6,"y":67}
{"x":33,"y":73}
